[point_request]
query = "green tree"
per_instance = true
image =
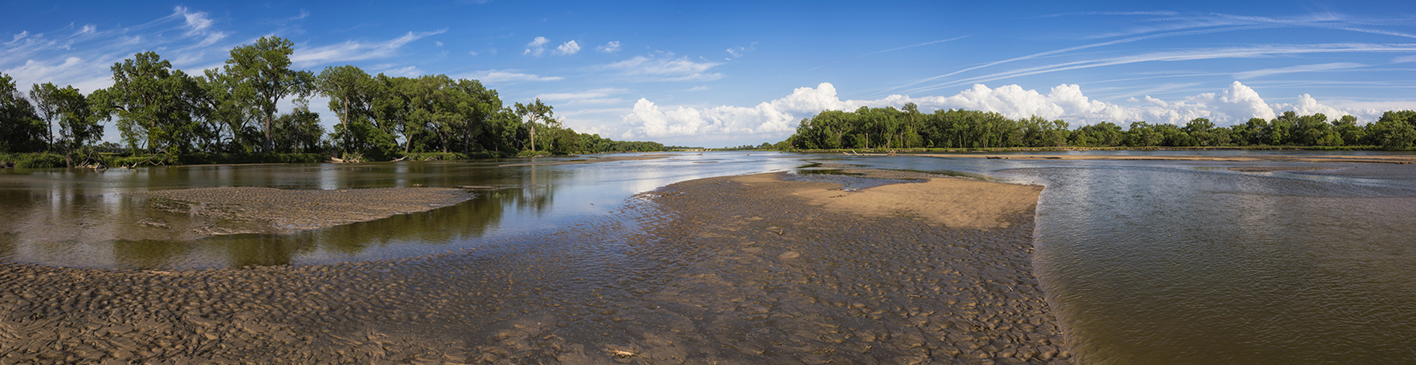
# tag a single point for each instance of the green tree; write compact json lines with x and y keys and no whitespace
{"x":20,"y":129}
{"x":350,"y":91}
{"x":70,"y":108}
{"x":533,"y":112}
{"x":154,"y":104}
{"x":262,"y":76}
{"x":299,"y":131}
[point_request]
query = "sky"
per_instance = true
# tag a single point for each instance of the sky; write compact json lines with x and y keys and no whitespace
{"x":728,"y":73}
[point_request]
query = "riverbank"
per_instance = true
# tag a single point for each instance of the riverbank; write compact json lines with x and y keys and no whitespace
{"x":748,"y":269}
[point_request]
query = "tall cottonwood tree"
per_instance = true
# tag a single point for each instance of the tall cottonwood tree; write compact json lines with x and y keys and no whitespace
{"x":531,"y":112}
{"x":153,"y":103}
{"x":261,"y":76}
{"x":350,"y":91}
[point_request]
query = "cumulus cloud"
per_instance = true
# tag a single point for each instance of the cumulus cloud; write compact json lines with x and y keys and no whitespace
{"x":537,"y":47}
{"x":567,"y":48}
{"x":499,"y":76}
{"x":355,"y":51}
{"x":612,"y":47}
{"x":778,"y":118}
{"x":665,"y":67}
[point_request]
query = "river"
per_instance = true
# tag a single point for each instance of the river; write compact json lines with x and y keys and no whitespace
{"x":1143,"y":261}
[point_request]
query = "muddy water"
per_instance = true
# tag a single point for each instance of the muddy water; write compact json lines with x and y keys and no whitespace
{"x":43,"y":208}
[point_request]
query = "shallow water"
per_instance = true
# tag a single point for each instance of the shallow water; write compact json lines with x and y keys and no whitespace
{"x":1143,"y":261}
{"x":1191,"y":263}
{"x":44,"y":208}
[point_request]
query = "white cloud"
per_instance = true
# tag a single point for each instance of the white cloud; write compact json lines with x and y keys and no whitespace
{"x":698,"y":88}
{"x":778,"y":118}
{"x":197,"y":21}
{"x":19,"y":36}
{"x":87,"y":29}
{"x":1297,"y":69}
{"x":1404,"y":59}
{"x":499,"y":76}
{"x":740,"y":50}
{"x":439,"y":43}
{"x":612,"y":47}
{"x":666,"y":68}
{"x":567,"y":48}
{"x":537,"y":46}
{"x":596,"y":96}
{"x":354,"y":51}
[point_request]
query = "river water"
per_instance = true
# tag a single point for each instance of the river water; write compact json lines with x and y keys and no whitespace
{"x":1167,"y":262}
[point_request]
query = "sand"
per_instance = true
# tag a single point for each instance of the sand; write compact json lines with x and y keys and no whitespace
{"x":747,"y":269}
{"x":233,"y":210}
{"x":1391,"y":159}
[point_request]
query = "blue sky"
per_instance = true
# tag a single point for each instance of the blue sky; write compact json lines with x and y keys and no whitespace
{"x":729,"y":73}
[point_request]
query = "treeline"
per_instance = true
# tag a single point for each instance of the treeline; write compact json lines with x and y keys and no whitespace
{"x":233,"y":110}
{"x":887,"y":128}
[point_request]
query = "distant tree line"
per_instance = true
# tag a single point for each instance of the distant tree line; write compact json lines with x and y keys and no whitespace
{"x":233,"y":109}
{"x":886,"y":128}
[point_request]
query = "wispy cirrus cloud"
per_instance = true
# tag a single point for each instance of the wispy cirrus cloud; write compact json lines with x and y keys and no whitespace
{"x":355,"y":50}
{"x":507,"y":76}
{"x":665,"y":67}
{"x":1298,"y":69}
{"x":1186,"y":55}
{"x":596,"y":96}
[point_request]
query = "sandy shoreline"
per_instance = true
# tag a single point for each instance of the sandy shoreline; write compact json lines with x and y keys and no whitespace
{"x":733,"y":270}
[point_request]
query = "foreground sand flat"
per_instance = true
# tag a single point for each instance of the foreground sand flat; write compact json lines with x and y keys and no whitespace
{"x":746,"y":269}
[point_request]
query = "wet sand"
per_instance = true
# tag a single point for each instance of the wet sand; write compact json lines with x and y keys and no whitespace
{"x":1279,"y":168}
{"x":1391,"y":159}
{"x":723,"y":270}
{"x":197,"y":213}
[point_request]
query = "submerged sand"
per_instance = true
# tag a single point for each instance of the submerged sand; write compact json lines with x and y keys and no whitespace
{"x":231,"y":210}
{"x":749,"y":269}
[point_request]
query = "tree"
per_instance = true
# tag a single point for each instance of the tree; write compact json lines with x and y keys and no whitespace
{"x":43,"y":98}
{"x":153,"y":103}
{"x":77,"y":124}
{"x":299,"y":131}
{"x":531,"y":113}
{"x":262,"y":76}
{"x":20,"y":129}
{"x":349,"y":90}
